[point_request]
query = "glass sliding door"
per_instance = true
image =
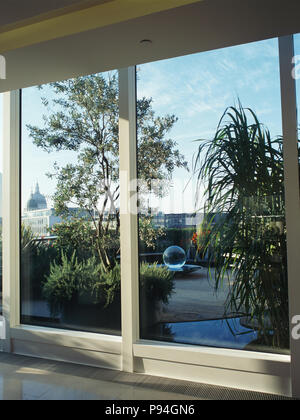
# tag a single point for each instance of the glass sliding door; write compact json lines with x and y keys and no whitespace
{"x":70,"y":250}
{"x":212,"y":232}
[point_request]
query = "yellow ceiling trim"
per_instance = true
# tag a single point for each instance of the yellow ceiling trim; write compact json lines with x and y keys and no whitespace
{"x":52,"y":25}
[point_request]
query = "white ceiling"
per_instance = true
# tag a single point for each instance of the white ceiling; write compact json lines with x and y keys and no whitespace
{"x":13,"y":11}
{"x":202,"y":26}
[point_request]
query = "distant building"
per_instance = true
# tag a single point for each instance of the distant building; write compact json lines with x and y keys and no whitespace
{"x":37,"y":215}
{"x":177,"y":220}
{"x":40,"y":218}
{"x":37,"y":201}
{"x":40,"y":221}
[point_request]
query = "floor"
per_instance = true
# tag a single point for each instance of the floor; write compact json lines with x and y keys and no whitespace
{"x":26,"y":378}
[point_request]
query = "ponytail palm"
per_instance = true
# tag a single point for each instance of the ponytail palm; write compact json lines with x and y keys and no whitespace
{"x":242,"y":168}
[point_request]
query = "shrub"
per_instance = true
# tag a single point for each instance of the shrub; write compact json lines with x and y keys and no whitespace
{"x":107,"y":288}
{"x":68,"y":279}
{"x":71,"y":278}
{"x":35,"y":262}
{"x":75,"y":235}
{"x":156,"y":282}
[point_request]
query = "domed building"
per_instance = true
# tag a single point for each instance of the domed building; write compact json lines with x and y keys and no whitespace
{"x":40,"y":218}
{"x":37,"y":215}
{"x":31,"y":204}
{"x":37,"y":201}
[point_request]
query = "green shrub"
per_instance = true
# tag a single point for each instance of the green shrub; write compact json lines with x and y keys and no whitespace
{"x":36,"y":257}
{"x":107,"y":288}
{"x":75,"y":235}
{"x":71,"y":278}
{"x":68,"y":279}
{"x":156,"y":282}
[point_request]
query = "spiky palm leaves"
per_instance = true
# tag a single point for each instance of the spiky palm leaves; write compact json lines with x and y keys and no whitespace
{"x":242,"y":168}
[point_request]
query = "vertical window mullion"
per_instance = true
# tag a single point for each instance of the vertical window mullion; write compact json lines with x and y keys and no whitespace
{"x":292,"y":195}
{"x":11,"y":212}
{"x":128,"y":210}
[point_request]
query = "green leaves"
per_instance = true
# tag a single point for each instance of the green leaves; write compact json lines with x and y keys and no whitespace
{"x":148,"y":234}
{"x":240,"y":159}
{"x":82,"y":116}
{"x":157,"y":155}
{"x":156,"y":283}
{"x":71,"y":278}
{"x":242,"y":167}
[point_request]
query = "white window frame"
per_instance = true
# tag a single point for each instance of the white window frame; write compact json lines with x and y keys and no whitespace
{"x":234,"y":368}
{"x":292,"y":196}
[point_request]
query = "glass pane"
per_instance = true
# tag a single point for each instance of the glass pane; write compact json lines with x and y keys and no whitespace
{"x":70,"y":259}
{"x":212,"y":234}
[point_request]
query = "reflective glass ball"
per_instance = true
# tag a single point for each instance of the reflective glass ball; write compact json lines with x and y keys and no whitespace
{"x":174,"y":257}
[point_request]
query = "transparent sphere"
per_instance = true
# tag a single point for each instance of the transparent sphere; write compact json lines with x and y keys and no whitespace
{"x":174,"y":257}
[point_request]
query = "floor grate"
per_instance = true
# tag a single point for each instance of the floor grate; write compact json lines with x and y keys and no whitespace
{"x":146,"y":385}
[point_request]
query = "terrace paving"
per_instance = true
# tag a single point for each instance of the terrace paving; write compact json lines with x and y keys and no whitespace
{"x":195,"y":299}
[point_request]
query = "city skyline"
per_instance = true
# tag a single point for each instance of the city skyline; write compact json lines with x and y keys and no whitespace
{"x":40,"y":217}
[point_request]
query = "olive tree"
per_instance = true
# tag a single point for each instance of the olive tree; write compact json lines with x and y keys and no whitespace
{"x":83,"y":117}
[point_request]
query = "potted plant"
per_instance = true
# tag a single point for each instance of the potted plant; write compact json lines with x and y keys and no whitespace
{"x":74,"y":287}
{"x":156,"y":288}
{"x":242,"y":167}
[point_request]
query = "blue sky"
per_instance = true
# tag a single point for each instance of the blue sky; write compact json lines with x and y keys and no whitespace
{"x":197,"y":89}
